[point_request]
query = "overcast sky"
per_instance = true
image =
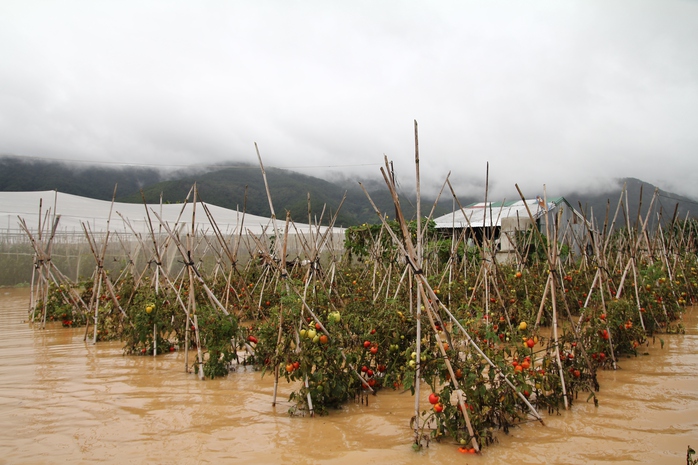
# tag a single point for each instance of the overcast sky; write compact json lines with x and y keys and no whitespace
{"x":565,"y":93}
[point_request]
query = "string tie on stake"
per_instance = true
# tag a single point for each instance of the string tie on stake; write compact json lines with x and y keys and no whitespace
{"x":414,"y":267}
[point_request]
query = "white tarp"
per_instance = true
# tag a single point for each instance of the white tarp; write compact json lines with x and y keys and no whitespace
{"x":486,"y":215}
{"x":75,"y":210}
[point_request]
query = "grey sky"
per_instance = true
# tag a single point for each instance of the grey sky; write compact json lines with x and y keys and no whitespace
{"x":562,"y":93}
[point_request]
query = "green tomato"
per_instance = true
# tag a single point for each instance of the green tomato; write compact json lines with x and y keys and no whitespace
{"x":311,"y":333}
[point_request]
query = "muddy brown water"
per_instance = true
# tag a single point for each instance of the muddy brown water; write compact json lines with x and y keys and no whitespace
{"x":66,"y":401}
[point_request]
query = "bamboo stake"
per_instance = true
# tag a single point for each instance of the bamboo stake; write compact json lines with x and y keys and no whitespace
{"x":632,"y":261}
{"x":307,"y":308}
{"x":418,"y":258}
{"x":282,"y":266}
{"x":409,"y":252}
{"x":550,"y":284}
{"x":552,"y":254}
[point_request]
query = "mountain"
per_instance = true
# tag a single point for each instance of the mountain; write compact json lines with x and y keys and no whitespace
{"x":231,"y":186}
{"x":17,"y":174}
{"x":638,"y":196}
{"x":242,"y":187}
{"x":239,"y":186}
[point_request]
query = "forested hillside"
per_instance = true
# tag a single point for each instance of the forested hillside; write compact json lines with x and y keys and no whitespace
{"x":96,"y":182}
{"x":238,"y":186}
{"x":234,"y":186}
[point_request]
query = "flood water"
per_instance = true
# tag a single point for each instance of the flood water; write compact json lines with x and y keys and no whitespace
{"x":66,"y":401}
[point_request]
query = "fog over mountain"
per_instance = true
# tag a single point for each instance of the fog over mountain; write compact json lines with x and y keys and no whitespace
{"x":567,"y":94}
{"x":241,"y":187}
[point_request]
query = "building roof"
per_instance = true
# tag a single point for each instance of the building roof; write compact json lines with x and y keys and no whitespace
{"x":478,"y":215}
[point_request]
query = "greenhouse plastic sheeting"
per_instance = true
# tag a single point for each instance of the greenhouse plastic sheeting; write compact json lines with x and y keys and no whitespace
{"x":75,"y":210}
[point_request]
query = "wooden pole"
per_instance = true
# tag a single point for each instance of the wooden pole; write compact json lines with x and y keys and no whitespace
{"x":418,"y":257}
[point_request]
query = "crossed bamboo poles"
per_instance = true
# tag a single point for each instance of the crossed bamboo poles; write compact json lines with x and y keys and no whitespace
{"x":429,"y":297}
{"x":277,"y":260}
{"x":414,"y":257}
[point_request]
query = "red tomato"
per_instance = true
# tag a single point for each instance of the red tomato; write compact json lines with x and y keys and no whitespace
{"x":433,"y":399}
